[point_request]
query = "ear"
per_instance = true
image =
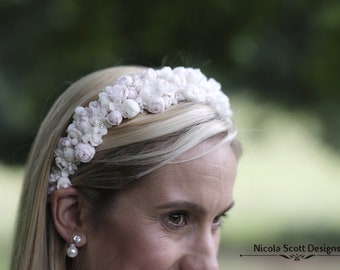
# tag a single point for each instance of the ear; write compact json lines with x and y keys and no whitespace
{"x":69,"y":213}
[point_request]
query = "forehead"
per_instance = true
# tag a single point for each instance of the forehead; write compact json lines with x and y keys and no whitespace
{"x":198,"y":173}
{"x":206,"y":181}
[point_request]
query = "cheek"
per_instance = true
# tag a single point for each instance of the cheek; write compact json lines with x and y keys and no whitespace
{"x":217,"y":238}
{"x":127,"y":245}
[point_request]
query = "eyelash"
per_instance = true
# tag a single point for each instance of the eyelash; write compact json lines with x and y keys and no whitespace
{"x":184,"y":219}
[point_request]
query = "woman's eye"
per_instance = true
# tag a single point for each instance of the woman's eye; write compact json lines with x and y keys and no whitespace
{"x":177,"y":220}
{"x":217,"y":222}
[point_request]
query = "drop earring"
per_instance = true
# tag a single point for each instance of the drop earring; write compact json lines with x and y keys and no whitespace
{"x":72,"y":250}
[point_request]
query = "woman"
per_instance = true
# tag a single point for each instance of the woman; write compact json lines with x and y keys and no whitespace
{"x":132,"y":168}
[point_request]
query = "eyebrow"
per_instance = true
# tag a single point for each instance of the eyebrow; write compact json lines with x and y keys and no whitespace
{"x":187,"y":205}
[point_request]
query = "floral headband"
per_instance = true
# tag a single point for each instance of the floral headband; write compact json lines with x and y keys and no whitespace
{"x":151,"y":90}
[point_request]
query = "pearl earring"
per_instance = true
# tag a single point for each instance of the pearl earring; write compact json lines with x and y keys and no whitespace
{"x":72,"y":250}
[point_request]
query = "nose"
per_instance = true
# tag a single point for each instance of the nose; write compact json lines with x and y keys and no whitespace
{"x":199,"y":263}
{"x":201,"y":254}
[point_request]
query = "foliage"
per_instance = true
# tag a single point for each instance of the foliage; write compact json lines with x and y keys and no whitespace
{"x":281,"y":50}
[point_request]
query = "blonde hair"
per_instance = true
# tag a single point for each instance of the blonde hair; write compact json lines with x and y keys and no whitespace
{"x":128,"y":152}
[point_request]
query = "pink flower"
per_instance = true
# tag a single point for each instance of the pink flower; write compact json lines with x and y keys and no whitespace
{"x":84,"y":152}
{"x":114,"y":118}
{"x":155,"y":105}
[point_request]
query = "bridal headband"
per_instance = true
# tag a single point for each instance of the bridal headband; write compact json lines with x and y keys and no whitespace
{"x":152,"y":91}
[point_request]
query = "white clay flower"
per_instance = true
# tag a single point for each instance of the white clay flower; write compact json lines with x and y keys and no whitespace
{"x":117,"y":93}
{"x":96,"y":139}
{"x":63,"y":182}
{"x":130,"y":108}
{"x":80,"y":112}
{"x":82,"y":124}
{"x":69,"y":154}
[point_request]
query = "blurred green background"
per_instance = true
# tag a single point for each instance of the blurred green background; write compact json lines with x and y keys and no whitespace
{"x":278,"y":60}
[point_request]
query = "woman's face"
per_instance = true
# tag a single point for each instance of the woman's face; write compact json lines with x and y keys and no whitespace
{"x":171,"y":219}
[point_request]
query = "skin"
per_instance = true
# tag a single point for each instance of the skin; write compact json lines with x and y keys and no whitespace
{"x":171,"y":219}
